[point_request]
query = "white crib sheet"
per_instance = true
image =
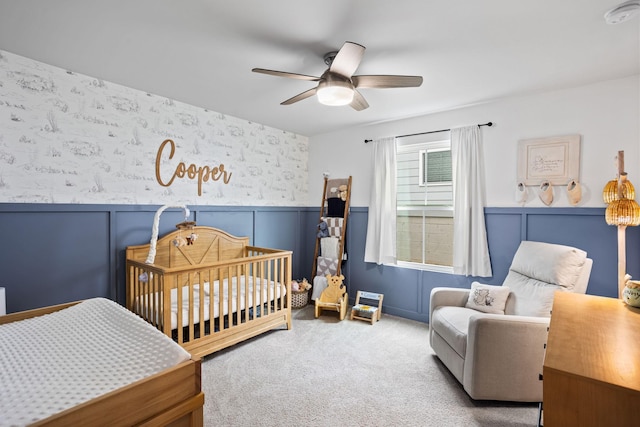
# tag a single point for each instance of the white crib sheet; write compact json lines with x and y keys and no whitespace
{"x":270,"y":291}
{"x":54,"y":362}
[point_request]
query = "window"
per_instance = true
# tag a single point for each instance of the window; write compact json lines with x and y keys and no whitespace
{"x":434,"y":166}
{"x":424,"y":236}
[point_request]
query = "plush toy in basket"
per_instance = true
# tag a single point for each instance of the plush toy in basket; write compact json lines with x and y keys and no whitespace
{"x":299,"y":293}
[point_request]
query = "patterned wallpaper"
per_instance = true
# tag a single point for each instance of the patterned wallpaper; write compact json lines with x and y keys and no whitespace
{"x":70,"y":138}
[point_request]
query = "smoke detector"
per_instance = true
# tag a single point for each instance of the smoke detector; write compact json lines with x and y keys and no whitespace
{"x":623,"y":12}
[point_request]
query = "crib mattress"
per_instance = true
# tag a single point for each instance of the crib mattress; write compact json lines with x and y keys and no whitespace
{"x":265,"y":290}
{"x":54,"y":362}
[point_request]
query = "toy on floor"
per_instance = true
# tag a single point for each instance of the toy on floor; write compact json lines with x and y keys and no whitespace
{"x":334,"y":297}
{"x":369,"y":313}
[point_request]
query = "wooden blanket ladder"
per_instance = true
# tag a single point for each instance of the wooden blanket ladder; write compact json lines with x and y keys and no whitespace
{"x":334,"y":213}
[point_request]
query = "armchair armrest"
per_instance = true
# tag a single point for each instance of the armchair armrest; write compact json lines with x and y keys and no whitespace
{"x":448,"y":297}
{"x":455,"y":297}
{"x":505,"y":354}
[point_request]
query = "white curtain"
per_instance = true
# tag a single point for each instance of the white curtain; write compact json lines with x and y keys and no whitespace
{"x":470,"y":248}
{"x":380,"y":246}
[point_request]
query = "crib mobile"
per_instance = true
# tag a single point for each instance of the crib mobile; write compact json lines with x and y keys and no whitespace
{"x":191,"y":237}
{"x":179,"y":241}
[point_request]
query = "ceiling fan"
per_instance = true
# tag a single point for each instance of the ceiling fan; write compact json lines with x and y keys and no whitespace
{"x":338,"y":85}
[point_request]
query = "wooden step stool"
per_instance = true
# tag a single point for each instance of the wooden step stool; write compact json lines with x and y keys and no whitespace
{"x":369,"y":313}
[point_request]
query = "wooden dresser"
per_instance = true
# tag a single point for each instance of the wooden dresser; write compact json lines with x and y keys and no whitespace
{"x":592,"y":363}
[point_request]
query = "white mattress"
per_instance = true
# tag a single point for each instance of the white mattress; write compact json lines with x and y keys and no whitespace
{"x":269,"y":291}
{"x":56,"y":361}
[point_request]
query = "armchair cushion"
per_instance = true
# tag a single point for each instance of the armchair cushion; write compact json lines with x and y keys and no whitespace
{"x":537,"y":271}
{"x":453,"y":323}
{"x":556,"y":264}
{"x":530,"y":297}
{"x":488,"y":298}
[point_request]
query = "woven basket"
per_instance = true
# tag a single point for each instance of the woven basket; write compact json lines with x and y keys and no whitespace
{"x":299,"y":298}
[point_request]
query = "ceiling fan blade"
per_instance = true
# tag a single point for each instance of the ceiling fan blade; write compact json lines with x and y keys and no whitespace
{"x":358,"y":103}
{"x":382,"y":82}
{"x":300,"y":97}
{"x":285,"y":74}
{"x":347,"y":59}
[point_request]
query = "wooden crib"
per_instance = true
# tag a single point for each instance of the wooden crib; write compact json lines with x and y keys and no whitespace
{"x":211,"y":293}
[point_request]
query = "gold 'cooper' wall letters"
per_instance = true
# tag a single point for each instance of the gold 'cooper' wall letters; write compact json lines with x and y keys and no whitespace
{"x":202,"y":173}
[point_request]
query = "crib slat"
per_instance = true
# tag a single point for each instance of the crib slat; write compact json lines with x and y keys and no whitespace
{"x":280,"y":281}
{"x":220,"y":301}
{"x":148,"y":290}
{"x":201,"y":305}
{"x":179,"y":329}
{"x":238,"y":312}
{"x":247,"y":289}
{"x":212,"y":291}
{"x":261,"y":271}
{"x":162,"y":319}
{"x":254,"y":283}
{"x":189,"y":285}
{"x":266,"y":283}
{"x":229,"y":296}
{"x":153,"y":296}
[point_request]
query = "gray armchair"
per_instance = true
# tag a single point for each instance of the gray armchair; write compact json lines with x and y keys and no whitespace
{"x":498,"y":356}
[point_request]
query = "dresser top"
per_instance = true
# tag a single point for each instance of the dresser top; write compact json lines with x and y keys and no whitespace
{"x":596,"y":338}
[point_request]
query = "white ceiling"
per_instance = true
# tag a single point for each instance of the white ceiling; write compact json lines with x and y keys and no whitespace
{"x":202,"y":51}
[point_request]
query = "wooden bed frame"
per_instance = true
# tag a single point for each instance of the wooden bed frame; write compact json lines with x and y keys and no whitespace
{"x":214,"y":257}
{"x":172,"y":397}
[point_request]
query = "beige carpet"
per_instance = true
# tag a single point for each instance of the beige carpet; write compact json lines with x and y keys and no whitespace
{"x":326,"y":372}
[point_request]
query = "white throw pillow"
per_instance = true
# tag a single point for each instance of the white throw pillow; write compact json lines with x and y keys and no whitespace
{"x":488,"y":298}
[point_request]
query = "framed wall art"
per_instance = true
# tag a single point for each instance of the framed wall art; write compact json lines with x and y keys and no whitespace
{"x":556,"y":159}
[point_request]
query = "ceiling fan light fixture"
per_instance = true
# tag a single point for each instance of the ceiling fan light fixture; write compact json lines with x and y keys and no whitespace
{"x":334,"y":93}
{"x":338,"y":85}
{"x":623,"y":12}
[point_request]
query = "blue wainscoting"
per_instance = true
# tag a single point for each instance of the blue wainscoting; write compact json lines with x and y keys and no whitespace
{"x":59,"y":253}
{"x":53,"y":256}
{"x":407,"y":292}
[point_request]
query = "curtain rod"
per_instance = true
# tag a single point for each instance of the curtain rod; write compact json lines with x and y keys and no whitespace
{"x":431,"y":131}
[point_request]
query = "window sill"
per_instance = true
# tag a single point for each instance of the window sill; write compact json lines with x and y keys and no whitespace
{"x":424,"y":267}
